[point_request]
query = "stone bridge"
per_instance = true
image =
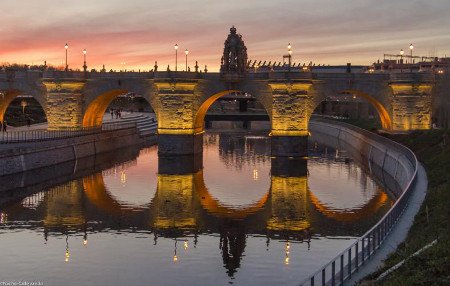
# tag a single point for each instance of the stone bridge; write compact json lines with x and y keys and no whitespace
{"x":181,"y":99}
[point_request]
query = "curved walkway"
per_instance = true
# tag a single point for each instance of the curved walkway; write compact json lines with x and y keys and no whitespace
{"x":399,"y":232}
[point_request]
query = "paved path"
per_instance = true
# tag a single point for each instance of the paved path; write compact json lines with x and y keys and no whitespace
{"x":399,"y":232}
{"x":43,"y":126}
{"x":106,"y":119}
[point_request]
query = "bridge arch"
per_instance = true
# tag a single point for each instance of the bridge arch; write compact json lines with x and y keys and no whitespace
{"x":95,"y":110}
{"x":208,"y":102}
{"x":8,"y":96}
{"x":380,"y":107}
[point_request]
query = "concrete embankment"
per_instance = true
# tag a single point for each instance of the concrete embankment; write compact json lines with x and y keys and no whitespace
{"x":397,"y":168}
{"x":15,"y":158}
{"x":390,"y":163}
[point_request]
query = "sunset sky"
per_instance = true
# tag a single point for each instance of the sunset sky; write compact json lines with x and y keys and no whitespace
{"x":134,"y":34}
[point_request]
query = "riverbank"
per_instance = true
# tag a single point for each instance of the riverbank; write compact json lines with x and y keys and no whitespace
{"x":432,"y":266}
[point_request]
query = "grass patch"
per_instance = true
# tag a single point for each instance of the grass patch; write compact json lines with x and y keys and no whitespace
{"x":431,"y":267}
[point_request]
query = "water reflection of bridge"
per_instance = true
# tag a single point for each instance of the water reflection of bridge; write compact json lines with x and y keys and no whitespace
{"x":183,"y":202}
{"x":183,"y":206}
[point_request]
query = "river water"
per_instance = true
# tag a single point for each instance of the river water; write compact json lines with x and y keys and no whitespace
{"x":235,"y":216}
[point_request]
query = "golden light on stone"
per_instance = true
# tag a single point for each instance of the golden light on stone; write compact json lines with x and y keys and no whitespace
{"x":174,"y":102}
{"x":185,"y":245}
{"x":175,"y":258}
{"x":85,"y":242}
{"x":289,"y":115}
{"x":64,"y":102}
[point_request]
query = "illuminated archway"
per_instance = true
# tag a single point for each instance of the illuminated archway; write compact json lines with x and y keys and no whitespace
{"x":7,"y":97}
{"x":385,"y":118}
{"x":204,"y":107}
{"x":93,"y":116}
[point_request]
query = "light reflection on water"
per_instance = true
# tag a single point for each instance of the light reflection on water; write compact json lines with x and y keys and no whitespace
{"x":244,"y":218}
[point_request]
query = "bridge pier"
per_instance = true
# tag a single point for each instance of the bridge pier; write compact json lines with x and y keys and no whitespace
{"x":64,"y":103}
{"x":291,"y":109}
{"x":174,"y":144}
{"x":411,"y":104}
{"x":289,"y":146}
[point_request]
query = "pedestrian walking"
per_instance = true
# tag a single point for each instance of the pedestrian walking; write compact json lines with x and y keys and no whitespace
{"x":28,"y":122}
{"x":4,"y":125}
{"x":112,"y":113}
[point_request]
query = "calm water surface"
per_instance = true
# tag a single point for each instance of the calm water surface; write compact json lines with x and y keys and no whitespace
{"x":239,"y":218}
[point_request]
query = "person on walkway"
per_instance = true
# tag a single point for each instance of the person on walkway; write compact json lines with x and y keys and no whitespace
{"x":28,"y":121}
{"x":4,"y":126}
{"x":112,"y":113}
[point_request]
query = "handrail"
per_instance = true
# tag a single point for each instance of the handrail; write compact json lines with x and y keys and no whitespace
{"x":37,"y":135}
{"x":354,"y":256}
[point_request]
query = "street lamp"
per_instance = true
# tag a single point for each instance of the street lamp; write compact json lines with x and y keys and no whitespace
{"x":411,"y":47}
{"x":290,"y":55}
{"x":66,"y":47}
{"x":176,"y":56}
{"x":401,"y":56}
{"x":186,"y":52}
{"x":84,"y":56}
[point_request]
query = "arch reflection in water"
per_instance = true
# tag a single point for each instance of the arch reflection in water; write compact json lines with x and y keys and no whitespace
{"x":186,"y":209}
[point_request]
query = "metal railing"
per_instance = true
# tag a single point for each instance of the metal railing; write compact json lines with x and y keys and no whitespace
{"x":37,"y":135}
{"x":352,"y":258}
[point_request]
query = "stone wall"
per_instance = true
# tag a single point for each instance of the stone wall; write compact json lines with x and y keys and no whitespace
{"x":380,"y":155}
{"x":47,"y":153}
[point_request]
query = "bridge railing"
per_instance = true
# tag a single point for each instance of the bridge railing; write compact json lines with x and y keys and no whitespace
{"x":27,"y":136}
{"x":349,"y":261}
{"x":412,"y":76}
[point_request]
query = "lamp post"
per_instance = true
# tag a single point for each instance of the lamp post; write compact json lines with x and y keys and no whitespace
{"x":401,"y":56}
{"x":411,"y":47}
{"x":186,"y":52}
{"x":290,"y":55}
{"x":66,"y":47}
{"x":84,"y":57}
{"x":176,"y":56}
